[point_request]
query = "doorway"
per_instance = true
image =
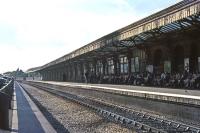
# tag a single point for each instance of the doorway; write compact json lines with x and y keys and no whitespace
{"x":178,"y":63}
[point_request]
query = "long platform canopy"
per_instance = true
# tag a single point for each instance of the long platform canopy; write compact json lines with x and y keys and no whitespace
{"x":177,"y":17}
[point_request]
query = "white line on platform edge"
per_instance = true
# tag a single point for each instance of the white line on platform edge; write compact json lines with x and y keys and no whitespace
{"x":14,"y":128}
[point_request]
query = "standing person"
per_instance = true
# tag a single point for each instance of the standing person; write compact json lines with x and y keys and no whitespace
{"x":162,"y":79}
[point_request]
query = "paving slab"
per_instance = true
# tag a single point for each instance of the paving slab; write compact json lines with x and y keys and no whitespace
{"x":27,"y":118}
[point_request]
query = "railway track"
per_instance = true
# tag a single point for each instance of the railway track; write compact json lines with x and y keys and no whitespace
{"x":139,"y":121}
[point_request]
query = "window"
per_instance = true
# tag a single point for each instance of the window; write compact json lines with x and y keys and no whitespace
{"x":123,"y":64}
{"x":135,"y":65}
{"x":99,"y":67}
{"x":91,"y":67}
{"x":110,"y":66}
{"x":106,"y":69}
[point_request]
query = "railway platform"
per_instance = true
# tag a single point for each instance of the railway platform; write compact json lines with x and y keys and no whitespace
{"x":182,"y":96}
{"x":26,"y":117}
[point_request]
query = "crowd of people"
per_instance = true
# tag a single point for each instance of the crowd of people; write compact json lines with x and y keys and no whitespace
{"x":175,"y":80}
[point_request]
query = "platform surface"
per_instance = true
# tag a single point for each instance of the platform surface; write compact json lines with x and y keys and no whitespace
{"x":27,"y":118}
{"x":180,"y":91}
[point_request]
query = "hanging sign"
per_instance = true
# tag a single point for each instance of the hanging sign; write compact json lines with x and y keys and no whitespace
{"x":149,"y":68}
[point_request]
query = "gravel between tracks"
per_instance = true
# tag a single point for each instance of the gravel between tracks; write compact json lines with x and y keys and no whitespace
{"x":66,"y":116}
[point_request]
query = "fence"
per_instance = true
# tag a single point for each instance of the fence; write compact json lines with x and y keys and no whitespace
{"x":6,"y":94}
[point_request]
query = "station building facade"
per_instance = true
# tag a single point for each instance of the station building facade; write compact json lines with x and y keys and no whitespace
{"x":168,"y":41}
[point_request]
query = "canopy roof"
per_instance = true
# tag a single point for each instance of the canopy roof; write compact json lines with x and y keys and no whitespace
{"x":177,"y":17}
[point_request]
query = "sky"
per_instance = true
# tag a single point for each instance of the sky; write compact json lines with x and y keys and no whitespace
{"x":35,"y":32}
